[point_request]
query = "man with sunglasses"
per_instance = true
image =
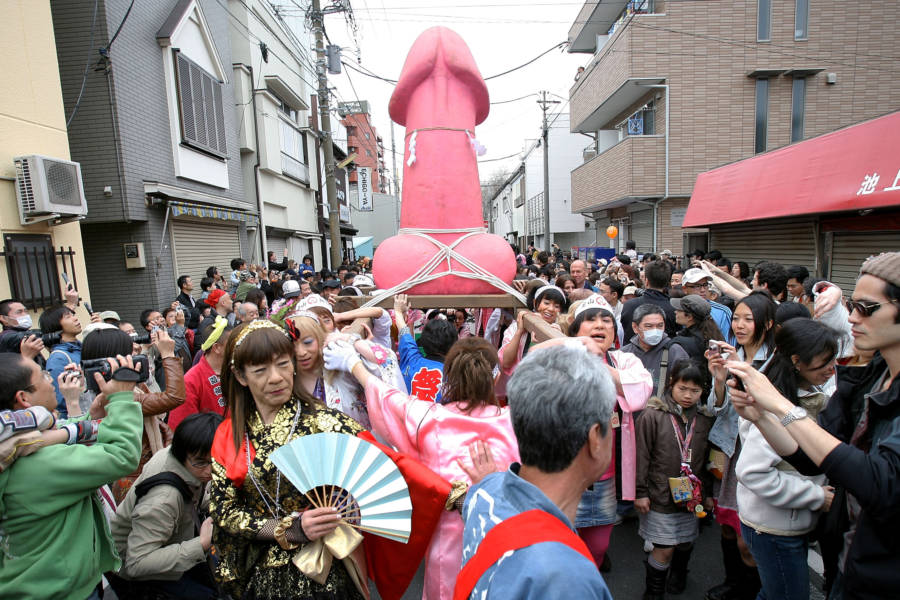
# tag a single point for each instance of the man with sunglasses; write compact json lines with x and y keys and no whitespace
{"x":856,"y":441}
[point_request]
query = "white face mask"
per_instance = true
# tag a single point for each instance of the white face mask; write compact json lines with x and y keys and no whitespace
{"x":653,"y":336}
{"x":25,"y":322}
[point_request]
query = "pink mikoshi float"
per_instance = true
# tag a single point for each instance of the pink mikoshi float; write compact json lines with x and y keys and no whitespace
{"x":440,"y":98}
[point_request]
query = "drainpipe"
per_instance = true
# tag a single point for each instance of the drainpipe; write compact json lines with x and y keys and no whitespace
{"x":661,"y":86}
{"x":261,"y":230}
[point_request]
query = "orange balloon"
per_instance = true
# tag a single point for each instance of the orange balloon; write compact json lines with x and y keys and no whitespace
{"x":612,"y":231}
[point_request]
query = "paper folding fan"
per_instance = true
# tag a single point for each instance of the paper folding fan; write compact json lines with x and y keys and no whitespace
{"x":352,"y":475}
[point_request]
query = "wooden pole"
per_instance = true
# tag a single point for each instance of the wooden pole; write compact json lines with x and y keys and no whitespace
{"x":540,"y":330}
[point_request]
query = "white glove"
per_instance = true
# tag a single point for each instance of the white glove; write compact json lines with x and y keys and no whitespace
{"x":340,"y":356}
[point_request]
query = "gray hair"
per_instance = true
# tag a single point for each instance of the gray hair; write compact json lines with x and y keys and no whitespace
{"x":555,"y":396}
{"x":646,"y":309}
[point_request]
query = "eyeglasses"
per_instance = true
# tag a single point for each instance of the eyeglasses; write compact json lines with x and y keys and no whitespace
{"x":200,"y":464}
{"x":48,"y":377}
{"x":866,"y":309}
{"x":696,"y":285}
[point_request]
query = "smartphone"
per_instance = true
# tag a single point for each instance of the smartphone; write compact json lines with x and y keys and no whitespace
{"x":90,"y":310}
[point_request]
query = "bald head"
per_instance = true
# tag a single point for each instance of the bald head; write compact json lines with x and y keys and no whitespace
{"x":578,"y":271}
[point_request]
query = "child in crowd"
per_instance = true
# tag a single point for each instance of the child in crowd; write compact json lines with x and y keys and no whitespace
{"x":671,"y":453}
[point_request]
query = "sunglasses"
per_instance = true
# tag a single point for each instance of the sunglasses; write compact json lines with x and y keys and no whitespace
{"x":866,"y":309}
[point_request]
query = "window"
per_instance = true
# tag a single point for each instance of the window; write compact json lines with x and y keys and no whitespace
{"x":286,"y":110}
{"x":639,"y":123}
{"x":798,"y":104}
{"x":33,"y":272}
{"x":294,"y":159}
{"x":762,"y":114}
{"x":351,"y":131}
{"x":201,"y":108}
{"x":763,"y":20}
{"x":801,"y":20}
{"x":368,"y":153}
{"x":368,"y":137}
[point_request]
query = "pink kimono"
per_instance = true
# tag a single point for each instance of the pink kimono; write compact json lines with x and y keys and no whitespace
{"x":437,"y":435}
{"x":637,"y":383}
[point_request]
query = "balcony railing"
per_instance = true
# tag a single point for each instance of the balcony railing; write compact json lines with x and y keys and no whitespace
{"x":292,"y":167}
{"x":632,"y":169}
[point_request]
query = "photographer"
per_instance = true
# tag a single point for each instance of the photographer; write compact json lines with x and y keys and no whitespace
{"x":62,"y":320}
{"x":14,"y":338}
{"x":157,"y":528}
{"x":105,"y":342}
{"x":56,"y":541}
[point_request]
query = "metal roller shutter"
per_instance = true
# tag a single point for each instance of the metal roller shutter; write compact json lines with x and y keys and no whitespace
{"x":642,"y":230}
{"x":199,"y":245}
{"x":850,"y":250}
{"x":277,"y":245}
{"x":789,"y":242}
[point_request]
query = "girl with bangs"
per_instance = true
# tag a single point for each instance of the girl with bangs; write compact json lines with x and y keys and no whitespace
{"x":260,"y":518}
{"x":595,"y":326}
{"x":753,"y":326}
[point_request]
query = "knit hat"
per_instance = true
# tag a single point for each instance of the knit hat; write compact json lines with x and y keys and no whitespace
{"x":214,"y":297}
{"x":884,"y":266}
{"x":246,"y":275}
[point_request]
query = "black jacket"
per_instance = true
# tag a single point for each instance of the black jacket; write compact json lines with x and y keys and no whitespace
{"x":191,"y":310}
{"x":869,"y":469}
{"x":652,"y":297}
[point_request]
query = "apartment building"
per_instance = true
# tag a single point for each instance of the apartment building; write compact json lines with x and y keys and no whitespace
{"x":364,"y":140}
{"x":673,"y":88}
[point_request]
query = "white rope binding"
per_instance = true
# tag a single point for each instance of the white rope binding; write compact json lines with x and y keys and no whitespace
{"x":445,"y":253}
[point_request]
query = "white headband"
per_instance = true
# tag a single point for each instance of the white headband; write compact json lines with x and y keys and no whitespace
{"x":594,"y":301}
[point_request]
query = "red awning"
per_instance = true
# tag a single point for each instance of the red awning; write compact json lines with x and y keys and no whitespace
{"x":851,"y":169}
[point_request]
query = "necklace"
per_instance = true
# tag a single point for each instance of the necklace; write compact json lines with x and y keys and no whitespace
{"x":270,"y":502}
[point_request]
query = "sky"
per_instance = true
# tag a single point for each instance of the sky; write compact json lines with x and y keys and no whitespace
{"x":501,"y":34}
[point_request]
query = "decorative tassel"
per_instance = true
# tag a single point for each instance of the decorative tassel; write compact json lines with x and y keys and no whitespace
{"x":412,"y":149}
{"x":479,"y":149}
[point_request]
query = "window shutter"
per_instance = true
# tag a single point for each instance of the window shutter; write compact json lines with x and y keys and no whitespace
{"x":201,"y":107}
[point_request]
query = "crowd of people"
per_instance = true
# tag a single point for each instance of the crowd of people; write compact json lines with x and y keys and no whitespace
{"x":676,"y":390}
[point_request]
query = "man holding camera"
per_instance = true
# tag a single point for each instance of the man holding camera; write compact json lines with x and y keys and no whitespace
{"x":17,"y":323}
{"x":56,"y":540}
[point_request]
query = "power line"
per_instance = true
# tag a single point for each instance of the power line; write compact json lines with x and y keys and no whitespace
{"x":501,"y":158}
{"x":119,"y":28}
{"x":513,"y":99}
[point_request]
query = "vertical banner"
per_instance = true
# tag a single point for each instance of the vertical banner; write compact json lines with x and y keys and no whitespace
{"x":364,"y":187}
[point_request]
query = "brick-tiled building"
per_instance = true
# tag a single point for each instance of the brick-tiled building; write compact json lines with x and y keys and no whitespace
{"x":731,"y":78}
{"x":156,"y":134}
{"x":365,"y":142}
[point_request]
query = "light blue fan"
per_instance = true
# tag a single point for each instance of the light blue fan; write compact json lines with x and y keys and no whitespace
{"x":339,"y":460}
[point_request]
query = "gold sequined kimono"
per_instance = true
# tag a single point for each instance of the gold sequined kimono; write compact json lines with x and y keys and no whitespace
{"x":251,"y":569}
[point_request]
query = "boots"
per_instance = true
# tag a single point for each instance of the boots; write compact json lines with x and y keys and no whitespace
{"x":678,"y":570}
{"x":750,"y":583}
{"x":734,"y":569}
{"x":655,"y":586}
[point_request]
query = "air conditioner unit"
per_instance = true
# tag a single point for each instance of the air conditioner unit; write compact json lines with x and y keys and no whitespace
{"x":48,"y":189}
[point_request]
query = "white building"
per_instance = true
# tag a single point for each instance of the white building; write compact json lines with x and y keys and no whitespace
{"x":517,"y":209}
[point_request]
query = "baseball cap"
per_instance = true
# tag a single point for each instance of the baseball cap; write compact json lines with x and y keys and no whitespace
{"x":666,"y":253}
{"x":364,"y":281}
{"x":331,"y":283}
{"x":315,"y":301}
{"x":214,"y":297}
{"x":290,"y":289}
{"x":693,"y":304}
{"x":694,"y":275}
{"x":630,"y":290}
{"x":109,"y":314}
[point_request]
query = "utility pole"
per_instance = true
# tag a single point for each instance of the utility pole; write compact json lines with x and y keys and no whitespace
{"x":334,"y":213}
{"x":545,"y":104}
{"x":396,"y":175}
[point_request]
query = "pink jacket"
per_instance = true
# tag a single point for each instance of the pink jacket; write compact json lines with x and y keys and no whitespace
{"x":637,"y":385}
{"x":437,"y":435}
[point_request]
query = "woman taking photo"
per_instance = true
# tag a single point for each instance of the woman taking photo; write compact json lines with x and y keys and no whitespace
{"x":595,"y":325}
{"x":260,"y":518}
{"x":439,"y":435}
{"x":778,"y":506}
{"x":753,"y":326}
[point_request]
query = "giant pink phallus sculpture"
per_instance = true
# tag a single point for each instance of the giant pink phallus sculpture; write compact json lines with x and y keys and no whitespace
{"x":440,"y":98}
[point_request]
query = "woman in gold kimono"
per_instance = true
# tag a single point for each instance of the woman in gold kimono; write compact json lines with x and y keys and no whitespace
{"x":261,"y":520}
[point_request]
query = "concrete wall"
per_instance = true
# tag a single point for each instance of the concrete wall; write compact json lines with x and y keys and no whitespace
{"x":33,"y":121}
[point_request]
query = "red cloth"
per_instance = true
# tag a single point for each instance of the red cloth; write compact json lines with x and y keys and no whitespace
{"x":202,"y":393}
{"x":391,"y":565}
{"x":525,"y":529}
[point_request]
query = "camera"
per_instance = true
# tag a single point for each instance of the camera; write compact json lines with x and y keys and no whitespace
{"x":140,"y":338}
{"x":102,"y":366}
{"x":49,"y":339}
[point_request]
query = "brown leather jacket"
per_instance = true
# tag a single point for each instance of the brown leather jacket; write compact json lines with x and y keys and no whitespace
{"x":659,"y":456}
{"x":155,"y":406}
